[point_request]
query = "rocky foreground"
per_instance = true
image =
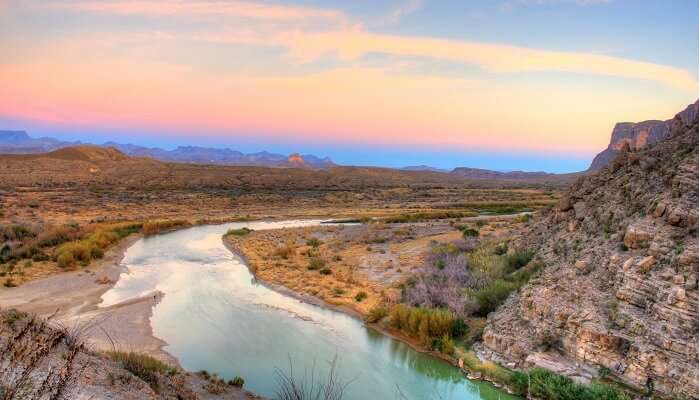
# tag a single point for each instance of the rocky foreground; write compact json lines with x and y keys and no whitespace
{"x":619,"y":295}
{"x":41,"y":359}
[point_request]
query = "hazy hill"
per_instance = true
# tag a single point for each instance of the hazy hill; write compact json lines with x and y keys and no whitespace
{"x":94,"y":165}
{"x":619,"y":292}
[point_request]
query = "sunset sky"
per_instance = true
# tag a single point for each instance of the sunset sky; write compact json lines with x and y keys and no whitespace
{"x":500,"y":84}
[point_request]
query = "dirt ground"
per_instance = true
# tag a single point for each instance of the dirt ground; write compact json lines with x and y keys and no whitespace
{"x":353,"y":266}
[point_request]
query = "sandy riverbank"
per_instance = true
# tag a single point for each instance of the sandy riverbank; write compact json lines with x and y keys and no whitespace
{"x":72,"y":299}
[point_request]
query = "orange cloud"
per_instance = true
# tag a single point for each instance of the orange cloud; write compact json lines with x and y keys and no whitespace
{"x":497,"y":58}
{"x":190,"y":8}
{"x":350,"y":41}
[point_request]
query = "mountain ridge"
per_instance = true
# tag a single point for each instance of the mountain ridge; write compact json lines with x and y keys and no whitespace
{"x":637,"y":135}
{"x":19,"y":142}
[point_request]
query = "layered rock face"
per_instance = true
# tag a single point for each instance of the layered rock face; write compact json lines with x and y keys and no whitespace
{"x":619,"y":291}
{"x":635,"y":136}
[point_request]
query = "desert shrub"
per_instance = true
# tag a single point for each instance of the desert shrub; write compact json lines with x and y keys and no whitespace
{"x":490,"y":297}
{"x":9,"y":283}
{"x":11,"y":233}
{"x":443,"y":286}
{"x":519,"y":259}
{"x":524,"y":218}
{"x":376,"y":314}
{"x":326,"y":271}
{"x":315,"y":263}
{"x":237,"y":381}
{"x":58,"y":235}
{"x":500,"y":249}
{"x":313,"y":242}
{"x":445,"y":344}
{"x":429,"y":325}
{"x":361,"y":296}
{"x":103,"y":239}
{"x":13,"y":315}
{"x":545,"y":384}
{"x":426,"y":216}
{"x":458,"y":328}
{"x":125,"y":230}
{"x":40,"y":257}
{"x":470,"y":232}
{"x":158,"y":226}
{"x":238,"y":232}
{"x":285,"y":251}
{"x":486,"y":264}
{"x":142,"y":365}
{"x":522,"y":275}
{"x":65,"y":259}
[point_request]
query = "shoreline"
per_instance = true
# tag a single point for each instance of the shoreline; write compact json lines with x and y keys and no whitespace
{"x":74,"y":296}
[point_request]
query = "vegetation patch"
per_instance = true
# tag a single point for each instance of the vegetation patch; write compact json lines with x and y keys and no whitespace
{"x":143,"y":366}
{"x":239,"y":232}
{"x":158,"y":226}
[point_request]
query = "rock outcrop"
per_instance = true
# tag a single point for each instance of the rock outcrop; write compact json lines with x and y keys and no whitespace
{"x":619,"y":292}
{"x":638,"y":135}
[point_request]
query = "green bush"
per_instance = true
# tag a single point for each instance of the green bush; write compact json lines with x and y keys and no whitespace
{"x":518,"y":260}
{"x":326,"y":271}
{"x":545,"y":384}
{"x":458,"y":328}
{"x":490,"y":297}
{"x":361,"y":296}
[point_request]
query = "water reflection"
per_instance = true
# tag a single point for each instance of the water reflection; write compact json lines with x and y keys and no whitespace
{"x":214,"y":316}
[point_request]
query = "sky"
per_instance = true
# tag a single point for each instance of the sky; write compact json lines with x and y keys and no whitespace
{"x":498,"y":84}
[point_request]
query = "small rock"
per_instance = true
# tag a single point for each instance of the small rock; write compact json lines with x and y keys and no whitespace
{"x":691,"y":283}
{"x":678,"y":280}
{"x":580,"y":210}
{"x":583,"y":266}
{"x":660,"y":209}
{"x":646,"y":263}
{"x":637,"y":236}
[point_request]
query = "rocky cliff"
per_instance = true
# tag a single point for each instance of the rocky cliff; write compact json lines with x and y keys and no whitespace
{"x":619,"y":292}
{"x":639,"y":135}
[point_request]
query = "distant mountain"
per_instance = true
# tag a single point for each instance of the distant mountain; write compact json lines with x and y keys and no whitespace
{"x":638,"y":135}
{"x":424,"y":168}
{"x":477,"y":173}
{"x":19,"y":142}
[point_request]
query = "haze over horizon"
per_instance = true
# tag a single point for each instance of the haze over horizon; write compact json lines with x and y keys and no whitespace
{"x":385,"y":83}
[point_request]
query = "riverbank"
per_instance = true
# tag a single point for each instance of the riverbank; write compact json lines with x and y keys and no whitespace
{"x":272,"y":280}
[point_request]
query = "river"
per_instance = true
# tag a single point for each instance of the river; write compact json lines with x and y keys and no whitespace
{"x":214,"y":316}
